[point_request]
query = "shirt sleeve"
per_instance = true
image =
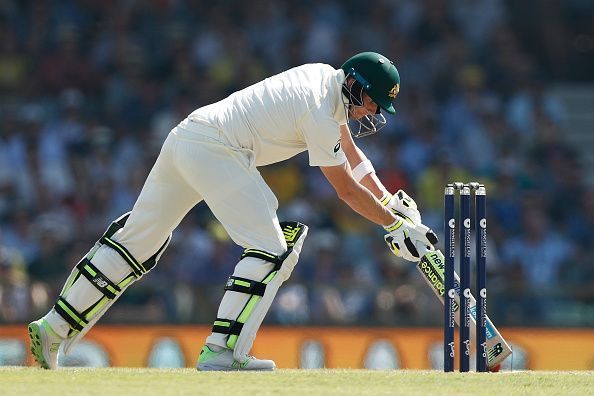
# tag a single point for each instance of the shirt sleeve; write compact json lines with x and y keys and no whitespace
{"x":322,"y":137}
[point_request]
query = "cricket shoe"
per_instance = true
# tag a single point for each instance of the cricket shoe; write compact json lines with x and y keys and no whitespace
{"x":45,"y":344}
{"x":223,"y":360}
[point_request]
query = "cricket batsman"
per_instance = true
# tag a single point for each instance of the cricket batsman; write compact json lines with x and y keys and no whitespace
{"x":212,"y":156}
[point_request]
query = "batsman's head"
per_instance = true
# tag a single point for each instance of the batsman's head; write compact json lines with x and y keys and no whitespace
{"x":371,"y":82}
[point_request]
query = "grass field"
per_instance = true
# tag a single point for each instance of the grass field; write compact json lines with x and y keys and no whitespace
{"x":135,"y":381}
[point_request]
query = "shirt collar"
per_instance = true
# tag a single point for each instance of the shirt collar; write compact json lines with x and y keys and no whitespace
{"x":338,"y":98}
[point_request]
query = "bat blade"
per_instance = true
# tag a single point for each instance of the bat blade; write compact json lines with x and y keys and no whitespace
{"x":431,"y":266}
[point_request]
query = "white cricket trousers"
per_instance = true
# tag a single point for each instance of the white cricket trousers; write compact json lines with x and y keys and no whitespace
{"x":194,"y":165}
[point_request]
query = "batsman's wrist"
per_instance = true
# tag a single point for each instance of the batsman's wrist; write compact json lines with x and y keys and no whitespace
{"x":362,"y":169}
{"x":385,"y":199}
{"x":394,"y":226}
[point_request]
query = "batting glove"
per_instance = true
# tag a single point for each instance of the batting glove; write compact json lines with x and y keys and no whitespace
{"x":409,"y":241}
{"x":401,"y":204}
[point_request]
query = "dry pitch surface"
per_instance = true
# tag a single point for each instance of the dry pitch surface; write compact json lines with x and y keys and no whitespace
{"x":137,"y":381}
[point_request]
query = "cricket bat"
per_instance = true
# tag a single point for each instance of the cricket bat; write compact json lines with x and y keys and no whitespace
{"x":431,"y":266}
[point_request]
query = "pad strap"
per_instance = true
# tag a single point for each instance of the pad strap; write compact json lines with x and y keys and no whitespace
{"x":292,"y":231}
{"x":261,"y":254}
{"x":244,"y":285}
{"x":226,"y":326}
{"x":97,"y":279}
{"x":124,"y":254}
{"x":70,"y":315}
{"x":138,"y":269}
{"x":248,"y":309}
{"x":78,"y":321}
{"x":116,"y":225}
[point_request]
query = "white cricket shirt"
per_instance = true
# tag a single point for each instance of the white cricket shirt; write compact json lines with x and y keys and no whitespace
{"x":283,"y":115}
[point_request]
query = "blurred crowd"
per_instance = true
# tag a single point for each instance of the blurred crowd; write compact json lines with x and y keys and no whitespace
{"x":89,"y":90}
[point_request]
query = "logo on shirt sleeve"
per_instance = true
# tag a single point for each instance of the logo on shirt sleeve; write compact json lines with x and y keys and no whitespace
{"x":337,"y":147}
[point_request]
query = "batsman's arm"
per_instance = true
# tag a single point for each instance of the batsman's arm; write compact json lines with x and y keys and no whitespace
{"x":359,"y":198}
{"x":400,"y":203}
{"x":357,"y":158}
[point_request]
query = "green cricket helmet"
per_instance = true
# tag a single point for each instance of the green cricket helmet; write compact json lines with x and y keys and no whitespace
{"x":378,"y":77}
{"x":375,"y":75}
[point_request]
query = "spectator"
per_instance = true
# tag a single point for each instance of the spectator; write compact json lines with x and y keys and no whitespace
{"x":88,"y":91}
{"x":536,"y":258}
{"x":15,"y":301}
